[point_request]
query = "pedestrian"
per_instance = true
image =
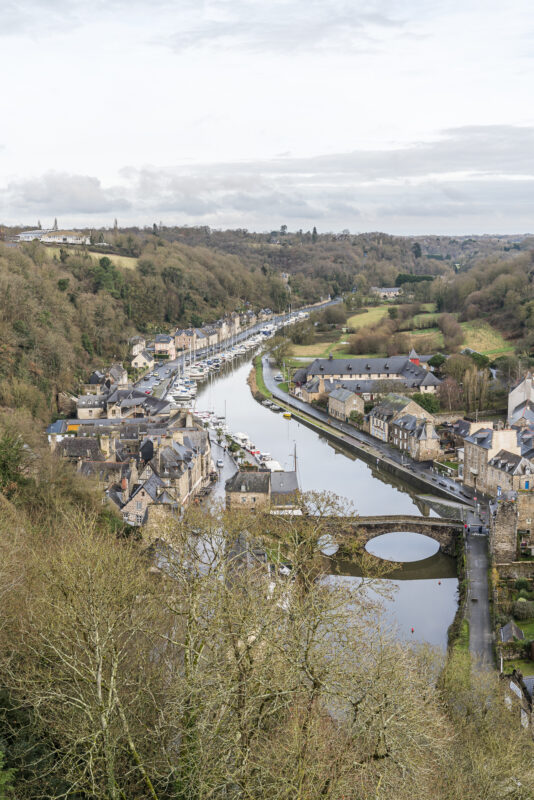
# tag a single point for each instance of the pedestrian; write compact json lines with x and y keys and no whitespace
{"x":480,"y":528}
{"x":469,"y":529}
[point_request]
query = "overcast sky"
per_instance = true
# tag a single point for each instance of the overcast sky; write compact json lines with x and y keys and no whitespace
{"x":407,"y":116}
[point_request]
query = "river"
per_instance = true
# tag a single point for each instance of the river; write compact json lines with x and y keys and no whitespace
{"x":425,"y":589}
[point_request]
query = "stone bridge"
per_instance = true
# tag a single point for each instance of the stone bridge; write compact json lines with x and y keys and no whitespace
{"x":444,"y":531}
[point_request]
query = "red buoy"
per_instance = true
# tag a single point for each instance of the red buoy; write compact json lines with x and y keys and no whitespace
{"x":412,"y":630}
{"x":439,"y":583}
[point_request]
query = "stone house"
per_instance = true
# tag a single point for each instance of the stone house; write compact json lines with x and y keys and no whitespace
{"x":285,"y":493}
{"x":521,"y":403}
{"x":342,"y":402}
{"x":249,"y":490}
{"x":143,"y":360}
{"x":262,"y":489}
{"x":386,"y":292}
{"x":137,"y":344}
{"x":507,"y":472}
{"x":401,"y":373}
{"x":185,"y":339}
{"x":164,"y":346}
{"x":382,"y":416}
{"x":223,"y":331}
{"x":480,"y":448}
{"x":91,"y":406}
{"x":116,"y":376}
{"x":417,"y":437}
{"x":211,"y":333}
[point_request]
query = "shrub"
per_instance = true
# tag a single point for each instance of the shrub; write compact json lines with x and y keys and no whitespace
{"x":523,"y":609}
{"x":521,"y":583}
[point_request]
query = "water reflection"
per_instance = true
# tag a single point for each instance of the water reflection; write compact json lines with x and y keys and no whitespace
{"x":321,"y":466}
{"x":428,"y":606}
{"x":402,"y":546}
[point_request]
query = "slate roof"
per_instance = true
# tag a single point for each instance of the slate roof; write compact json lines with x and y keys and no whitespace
{"x":283,"y":483}
{"x":59,"y":426}
{"x":103,"y":470}
{"x":391,"y":405}
{"x":341,"y":394}
{"x":510,"y":631}
{"x":163,"y":338}
{"x":461,"y":428}
{"x":482,"y":438}
{"x":430,"y":380}
{"x":145,"y":354}
{"x":91,"y":401}
{"x":412,"y":375}
{"x":80,"y":447}
{"x":253,"y":481}
{"x":415,"y":427}
{"x":510,"y":462}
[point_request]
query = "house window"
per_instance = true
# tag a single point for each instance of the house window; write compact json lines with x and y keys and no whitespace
{"x":139,"y":505}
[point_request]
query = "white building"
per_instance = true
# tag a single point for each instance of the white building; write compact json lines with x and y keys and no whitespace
{"x":65,"y":237}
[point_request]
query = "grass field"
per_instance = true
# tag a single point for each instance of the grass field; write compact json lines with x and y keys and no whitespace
{"x":126,"y":262}
{"x":527,"y":626}
{"x":372,"y":315}
{"x":322,"y":349}
{"x":526,"y":667}
{"x":480,"y":336}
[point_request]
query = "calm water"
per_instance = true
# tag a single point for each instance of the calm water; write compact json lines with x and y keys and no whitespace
{"x":425,"y":589}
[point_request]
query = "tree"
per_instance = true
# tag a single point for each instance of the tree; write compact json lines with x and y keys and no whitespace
{"x":6,"y":780}
{"x":416,"y":250}
{"x":427,"y":401}
{"x":450,"y":394}
{"x":456,"y":366}
{"x":86,"y":635}
{"x":14,"y":462}
{"x":356,"y":417}
{"x":437,"y":361}
{"x":54,"y":226}
{"x":314,"y":235}
{"x":280,"y":348}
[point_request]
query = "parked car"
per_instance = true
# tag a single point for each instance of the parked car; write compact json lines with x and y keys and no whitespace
{"x":220,"y":462}
{"x":279,"y":377}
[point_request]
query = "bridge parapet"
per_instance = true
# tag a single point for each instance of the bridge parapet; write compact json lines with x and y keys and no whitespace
{"x":444,"y":531}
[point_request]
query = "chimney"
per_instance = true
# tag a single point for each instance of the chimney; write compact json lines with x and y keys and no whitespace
{"x":321,"y":384}
{"x":124,"y":489}
{"x":428,"y":429}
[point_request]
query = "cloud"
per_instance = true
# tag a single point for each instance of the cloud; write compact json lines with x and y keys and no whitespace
{"x":284,"y":26}
{"x":60,"y":193}
{"x":469,"y":179}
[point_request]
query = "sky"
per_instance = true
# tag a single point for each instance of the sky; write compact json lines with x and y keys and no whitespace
{"x":410,"y":117}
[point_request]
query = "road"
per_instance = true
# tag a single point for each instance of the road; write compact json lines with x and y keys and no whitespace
{"x":164,"y":370}
{"x":478,"y":614}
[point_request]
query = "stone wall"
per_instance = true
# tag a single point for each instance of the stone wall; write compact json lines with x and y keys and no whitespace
{"x":516,"y":569}
{"x":503,"y":532}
